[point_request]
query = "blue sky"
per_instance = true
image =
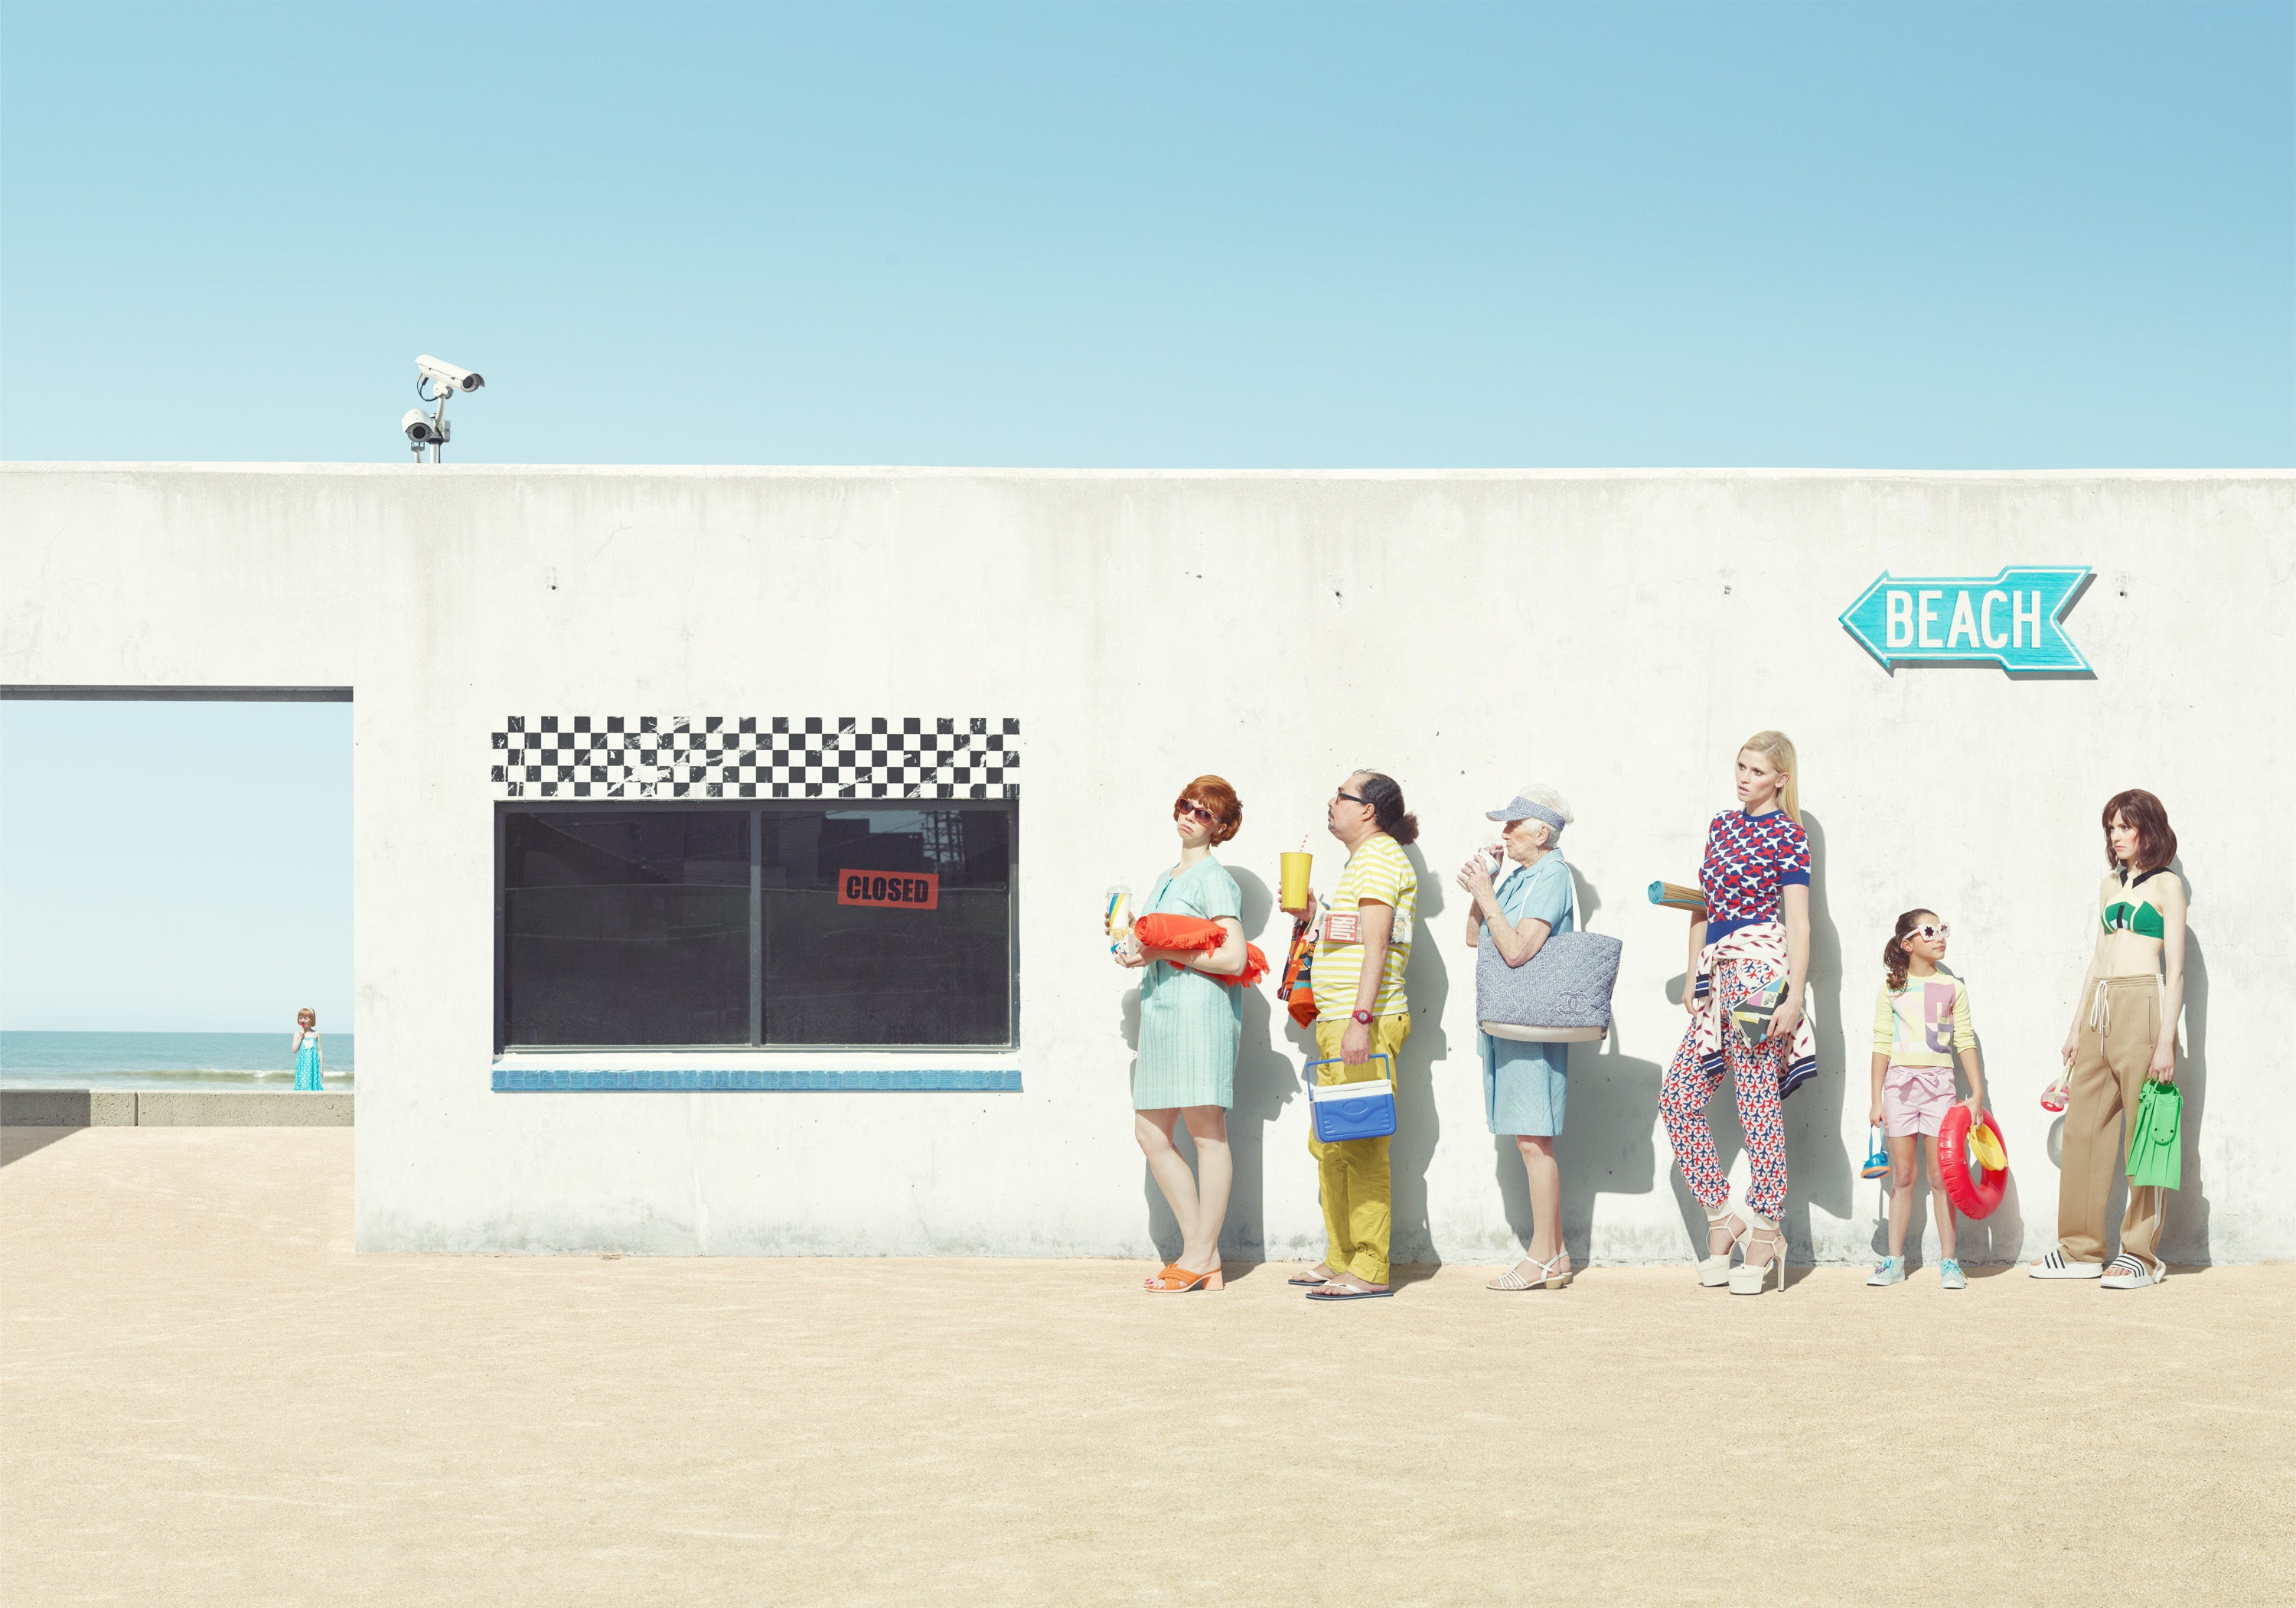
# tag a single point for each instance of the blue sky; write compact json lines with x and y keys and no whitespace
{"x":1966,"y":235}
{"x":216,"y":897}
{"x":1890,"y":236}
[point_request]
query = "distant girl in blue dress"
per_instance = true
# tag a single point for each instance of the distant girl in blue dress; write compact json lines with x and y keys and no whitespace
{"x":310,"y":1064}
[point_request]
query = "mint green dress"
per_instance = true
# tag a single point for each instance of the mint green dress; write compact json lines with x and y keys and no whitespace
{"x":1191,"y":1025}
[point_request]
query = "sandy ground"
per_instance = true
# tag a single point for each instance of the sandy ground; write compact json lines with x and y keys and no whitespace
{"x":207,"y":1399}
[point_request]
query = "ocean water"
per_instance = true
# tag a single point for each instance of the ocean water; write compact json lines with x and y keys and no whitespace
{"x":159,"y":1061}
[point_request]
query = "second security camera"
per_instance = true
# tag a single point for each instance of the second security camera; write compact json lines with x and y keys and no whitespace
{"x":419,"y":430}
{"x":446,"y":374}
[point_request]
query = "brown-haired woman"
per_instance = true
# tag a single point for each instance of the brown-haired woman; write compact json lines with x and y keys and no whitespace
{"x":1191,"y":1025}
{"x":2124,"y":1033}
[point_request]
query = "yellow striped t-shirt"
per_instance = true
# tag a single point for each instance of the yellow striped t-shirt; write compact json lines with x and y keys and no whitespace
{"x":1376,"y":871}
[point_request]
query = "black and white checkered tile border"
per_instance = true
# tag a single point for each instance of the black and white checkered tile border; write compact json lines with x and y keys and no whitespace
{"x":756,"y":757}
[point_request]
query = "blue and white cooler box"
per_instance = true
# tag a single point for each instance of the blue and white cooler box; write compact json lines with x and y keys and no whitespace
{"x":1352,"y":1110}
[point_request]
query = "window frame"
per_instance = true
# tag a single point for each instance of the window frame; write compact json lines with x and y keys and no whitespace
{"x":755,"y":809}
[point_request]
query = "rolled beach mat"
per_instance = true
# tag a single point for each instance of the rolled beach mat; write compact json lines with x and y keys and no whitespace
{"x":1674,"y":895}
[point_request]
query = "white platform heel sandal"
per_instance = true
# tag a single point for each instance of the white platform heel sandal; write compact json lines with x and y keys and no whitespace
{"x":1750,"y":1278}
{"x":1716,"y":1270}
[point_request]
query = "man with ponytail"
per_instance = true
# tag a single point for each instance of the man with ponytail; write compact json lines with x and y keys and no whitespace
{"x":1361,"y":1011}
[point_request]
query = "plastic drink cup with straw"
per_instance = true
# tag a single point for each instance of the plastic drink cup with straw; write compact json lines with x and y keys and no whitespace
{"x":1116,"y":918}
{"x":1296,"y":863}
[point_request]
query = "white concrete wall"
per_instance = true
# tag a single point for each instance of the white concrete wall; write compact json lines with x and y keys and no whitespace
{"x":1616,"y":633}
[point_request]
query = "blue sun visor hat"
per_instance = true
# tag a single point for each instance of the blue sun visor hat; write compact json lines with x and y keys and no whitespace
{"x":1523,"y":809}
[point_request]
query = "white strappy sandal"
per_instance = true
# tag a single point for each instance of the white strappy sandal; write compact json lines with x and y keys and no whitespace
{"x":1748,"y":1277}
{"x":1715,"y":1270}
{"x":1546,"y":1277}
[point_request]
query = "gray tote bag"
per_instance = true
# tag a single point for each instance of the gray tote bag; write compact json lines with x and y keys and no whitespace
{"x":1561,"y":995}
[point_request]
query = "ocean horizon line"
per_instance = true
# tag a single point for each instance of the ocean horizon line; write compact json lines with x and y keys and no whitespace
{"x":119,"y":1059}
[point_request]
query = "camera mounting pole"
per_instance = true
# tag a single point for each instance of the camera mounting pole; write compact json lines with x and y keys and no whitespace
{"x":439,"y":434}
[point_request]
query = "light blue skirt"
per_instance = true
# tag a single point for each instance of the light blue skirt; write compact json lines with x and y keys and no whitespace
{"x":306,"y":1068}
{"x":1524,"y":1086}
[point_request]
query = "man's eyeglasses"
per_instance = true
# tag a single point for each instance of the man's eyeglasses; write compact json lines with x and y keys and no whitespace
{"x":1352,"y":799}
{"x":1196,"y":810}
{"x":1929,"y":934}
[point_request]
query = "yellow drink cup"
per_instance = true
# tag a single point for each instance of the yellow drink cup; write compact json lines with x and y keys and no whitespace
{"x":1295,"y":879}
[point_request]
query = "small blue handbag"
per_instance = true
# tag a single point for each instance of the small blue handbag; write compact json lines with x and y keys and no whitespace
{"x":1352,"y":1110}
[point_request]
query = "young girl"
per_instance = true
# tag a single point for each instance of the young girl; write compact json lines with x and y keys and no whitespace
{"x":310,"y":1065}
{"x":1921,"y":1019}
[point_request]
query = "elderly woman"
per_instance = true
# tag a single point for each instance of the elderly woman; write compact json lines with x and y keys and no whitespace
{"x":1524,"y":1084}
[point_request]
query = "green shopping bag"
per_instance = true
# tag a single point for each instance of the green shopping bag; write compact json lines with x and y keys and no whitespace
{"x":2155,"y":1156}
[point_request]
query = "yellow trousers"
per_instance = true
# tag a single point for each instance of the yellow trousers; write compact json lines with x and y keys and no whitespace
{"x":1354,"y":1172}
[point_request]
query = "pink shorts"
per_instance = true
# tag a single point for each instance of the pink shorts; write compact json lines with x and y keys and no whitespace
{"x":1915,"y":1099}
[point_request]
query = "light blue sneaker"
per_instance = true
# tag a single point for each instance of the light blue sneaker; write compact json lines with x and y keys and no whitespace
{"x":1892,"y":1271}
{"x":1950,"y":1274}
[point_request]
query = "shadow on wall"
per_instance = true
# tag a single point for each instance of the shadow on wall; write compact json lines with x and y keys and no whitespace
{"x":1606,"y":1146}
{"x":1819,"y":1172}
{"x":2185,"y":1236}
{"x":1265,"y":1083}
{"x":1998,"y":1240}
{"x":1427,"y":984}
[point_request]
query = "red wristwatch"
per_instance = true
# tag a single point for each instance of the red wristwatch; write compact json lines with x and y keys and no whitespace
{"x":1361,"y":1016}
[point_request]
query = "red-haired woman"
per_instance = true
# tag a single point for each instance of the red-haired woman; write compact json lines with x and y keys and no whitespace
{"x":2124,"y":1034}
{"x":1191,"y":1025}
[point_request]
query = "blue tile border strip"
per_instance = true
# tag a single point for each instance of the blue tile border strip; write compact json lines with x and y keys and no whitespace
{"x":776,"y":1080}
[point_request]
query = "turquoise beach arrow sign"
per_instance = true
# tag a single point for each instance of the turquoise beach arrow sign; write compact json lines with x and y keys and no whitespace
{"x":2015,"y":620}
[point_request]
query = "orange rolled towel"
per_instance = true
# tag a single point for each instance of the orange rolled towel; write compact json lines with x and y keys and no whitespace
{"x":1196,"y":934}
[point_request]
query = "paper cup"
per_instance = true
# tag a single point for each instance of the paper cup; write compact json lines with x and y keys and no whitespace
{"x":1295,"y":879}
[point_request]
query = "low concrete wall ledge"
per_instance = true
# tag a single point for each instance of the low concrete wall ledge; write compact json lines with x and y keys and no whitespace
{"x":174,"y":1108}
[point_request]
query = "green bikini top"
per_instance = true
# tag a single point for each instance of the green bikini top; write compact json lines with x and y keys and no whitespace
{"x":2140,"y":918}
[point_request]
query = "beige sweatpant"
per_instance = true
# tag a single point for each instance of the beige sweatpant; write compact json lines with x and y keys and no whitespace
{"x":2109,"y":1066}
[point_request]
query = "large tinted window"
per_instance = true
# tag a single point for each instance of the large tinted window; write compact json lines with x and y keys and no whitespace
{"x":861,"y":926}
{"x":887,"y":926}
{"x":627,"y":927}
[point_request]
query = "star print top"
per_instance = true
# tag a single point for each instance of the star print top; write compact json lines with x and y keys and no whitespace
{"x":1749,"y":859}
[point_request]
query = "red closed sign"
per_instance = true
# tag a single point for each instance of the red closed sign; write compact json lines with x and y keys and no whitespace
{"x":890,"y":889}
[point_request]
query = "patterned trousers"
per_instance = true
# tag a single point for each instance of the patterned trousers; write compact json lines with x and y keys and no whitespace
{"x":1689,"y":1085}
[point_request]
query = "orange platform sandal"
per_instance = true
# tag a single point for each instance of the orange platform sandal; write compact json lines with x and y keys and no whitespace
{"x":1176,"y":1280}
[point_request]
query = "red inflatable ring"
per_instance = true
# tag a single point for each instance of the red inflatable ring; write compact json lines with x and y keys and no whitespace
{"x":1972,"y":1200}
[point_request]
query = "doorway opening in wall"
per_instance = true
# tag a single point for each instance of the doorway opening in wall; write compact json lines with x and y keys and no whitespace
{"x":792,"y":923}
{"x":175,"y":887}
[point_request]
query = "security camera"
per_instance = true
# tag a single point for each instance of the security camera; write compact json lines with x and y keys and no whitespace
{"x":419,"y":430}
{"x":446,"y":374}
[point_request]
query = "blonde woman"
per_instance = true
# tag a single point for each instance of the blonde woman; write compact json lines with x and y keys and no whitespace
{"x":1749,"y":953}
{"x":311,"y":1063}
